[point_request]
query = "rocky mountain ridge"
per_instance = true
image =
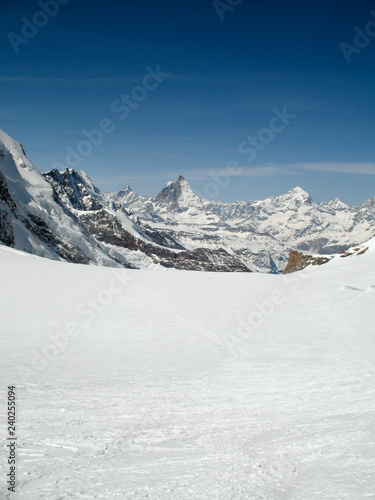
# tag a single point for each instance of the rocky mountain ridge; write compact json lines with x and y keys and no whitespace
{"x":262,"y":232}
{"x":63,"y":215}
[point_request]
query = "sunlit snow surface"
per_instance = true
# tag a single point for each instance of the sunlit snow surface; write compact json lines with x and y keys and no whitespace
{"x":167,"y":391}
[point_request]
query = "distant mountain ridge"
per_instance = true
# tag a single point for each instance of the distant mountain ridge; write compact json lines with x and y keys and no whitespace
{"x":261,"y":232}
{"x":63,"y":215}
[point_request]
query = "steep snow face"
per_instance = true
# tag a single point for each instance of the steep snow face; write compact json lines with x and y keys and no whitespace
{"x":24,"y":181}
{"x":293,"y":198}
{"x":369,"y":205}
{"x":190,"y":385}
{"x":40,"y":222}
{"x":335,"y":204}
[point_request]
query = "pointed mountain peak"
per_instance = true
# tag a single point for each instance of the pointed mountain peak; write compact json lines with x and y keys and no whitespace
{"x":75,"y":189}
{"x":296,"y":196}
{"x":370,"y":202}
{"x":72,"y":177}
{"x":124,"y":196}
{"x":336,"y":202}
{"x":125,"y":190}
{"x":298,"y":191}
{"x":178,"y":194}
{"x":10,"y":143}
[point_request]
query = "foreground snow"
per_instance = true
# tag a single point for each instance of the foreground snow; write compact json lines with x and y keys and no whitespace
{"x":175,"y":385}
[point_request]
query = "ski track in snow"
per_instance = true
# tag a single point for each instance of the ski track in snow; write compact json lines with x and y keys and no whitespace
{"x":163,"y":396}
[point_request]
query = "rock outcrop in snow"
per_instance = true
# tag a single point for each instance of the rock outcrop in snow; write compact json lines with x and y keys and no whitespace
{"x":298,"y":261}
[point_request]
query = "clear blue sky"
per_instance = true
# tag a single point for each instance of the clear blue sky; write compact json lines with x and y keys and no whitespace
{"x":225,"y":79}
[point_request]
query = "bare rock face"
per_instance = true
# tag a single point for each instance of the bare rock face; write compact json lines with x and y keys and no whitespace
{"x":75,"y":189}
{"x":7,"y":209}
{"x":298,"y":261}
{"x":107,"y":229}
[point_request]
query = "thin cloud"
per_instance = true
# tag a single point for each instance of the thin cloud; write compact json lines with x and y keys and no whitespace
{"x":287,"y":169}
{"x":339,"y":168}
{"x":269,"y":170}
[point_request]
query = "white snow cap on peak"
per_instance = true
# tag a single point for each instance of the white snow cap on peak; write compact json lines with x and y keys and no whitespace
{"x":299,"y":191}
{"x":87,"y":179}
{"x":5,"y":139}
{"x":295,"y":196}
{"x":337,"y":203}
{"x":10,"y":144}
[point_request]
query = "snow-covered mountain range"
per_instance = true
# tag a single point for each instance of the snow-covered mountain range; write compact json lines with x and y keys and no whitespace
{"x":64,"y":216}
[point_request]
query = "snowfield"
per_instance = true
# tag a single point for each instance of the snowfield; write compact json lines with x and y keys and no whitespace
{"x":165,"y":384}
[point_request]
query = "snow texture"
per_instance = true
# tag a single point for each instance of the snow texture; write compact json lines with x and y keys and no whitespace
{"x":183,"y":385}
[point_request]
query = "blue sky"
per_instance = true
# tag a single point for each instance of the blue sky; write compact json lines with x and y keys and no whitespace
{"x":226,"y":77}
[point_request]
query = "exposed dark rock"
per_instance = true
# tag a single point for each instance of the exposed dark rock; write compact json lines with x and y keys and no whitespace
{"x":161,"y":237}
{"x":171,"y":193}
{"x":73,"y":189}
{"x":353,"y":251}
{"x":6,"y":229}
{"x":7,"y":210}
{"x":5,"y":195}
{"x":67,"y":252}
{"x":362,"y":251}
{"x":298,"y":261}
{"x":107,"y":229}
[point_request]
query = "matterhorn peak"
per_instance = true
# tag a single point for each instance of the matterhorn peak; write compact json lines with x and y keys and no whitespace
{"x":178,"y":194}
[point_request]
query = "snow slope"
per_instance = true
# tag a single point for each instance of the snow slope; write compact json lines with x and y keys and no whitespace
{"x":184,"y":385}
{"x":36,"y":219}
